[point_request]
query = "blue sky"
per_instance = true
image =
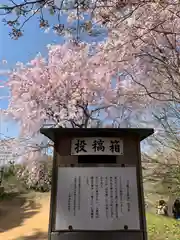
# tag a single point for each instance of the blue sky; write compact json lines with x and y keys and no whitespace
{"x":24,"y":49}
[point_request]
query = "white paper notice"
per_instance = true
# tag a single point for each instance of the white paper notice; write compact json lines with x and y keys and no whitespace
{"x":102,"y":198}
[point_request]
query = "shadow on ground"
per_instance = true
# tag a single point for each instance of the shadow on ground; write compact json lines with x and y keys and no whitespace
{"x":14,"y":209}
{"x":38,"y":235}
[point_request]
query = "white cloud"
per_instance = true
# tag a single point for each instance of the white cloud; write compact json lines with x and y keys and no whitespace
{"x":4,"y":71}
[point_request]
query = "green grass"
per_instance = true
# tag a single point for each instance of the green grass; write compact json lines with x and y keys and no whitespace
{"x":162,"y":228}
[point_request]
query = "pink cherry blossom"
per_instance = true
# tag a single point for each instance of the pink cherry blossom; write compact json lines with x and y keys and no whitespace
{"x":70,"y":89}
{"x":145,"y":47}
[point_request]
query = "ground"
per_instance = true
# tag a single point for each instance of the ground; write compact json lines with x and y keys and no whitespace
{"x":25,"y":217}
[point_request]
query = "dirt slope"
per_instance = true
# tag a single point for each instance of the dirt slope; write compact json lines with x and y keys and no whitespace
{"x":24,"y":218}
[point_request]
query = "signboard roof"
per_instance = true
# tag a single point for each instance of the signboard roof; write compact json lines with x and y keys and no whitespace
{"x":53,"y":133}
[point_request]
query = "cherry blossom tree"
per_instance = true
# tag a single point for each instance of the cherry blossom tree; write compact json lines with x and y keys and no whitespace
{"x":140,"y":58}
{"x":72,"y":88}
{"x":146,"y":48}
{"x":148,"y":54}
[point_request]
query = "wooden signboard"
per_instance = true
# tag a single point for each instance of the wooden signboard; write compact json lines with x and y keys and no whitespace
{"x":97,"y":190}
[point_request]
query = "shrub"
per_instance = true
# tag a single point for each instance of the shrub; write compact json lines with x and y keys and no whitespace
{"x":9,"y":170}
{"x":36,"y":176}
{"x":171,"y":179}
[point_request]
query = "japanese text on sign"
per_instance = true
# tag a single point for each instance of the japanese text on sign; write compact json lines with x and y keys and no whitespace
{"x":97,"y":198}
{"x":96,"y":146}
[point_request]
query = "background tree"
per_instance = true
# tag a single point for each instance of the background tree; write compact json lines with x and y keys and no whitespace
{"x":161,"y":164}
